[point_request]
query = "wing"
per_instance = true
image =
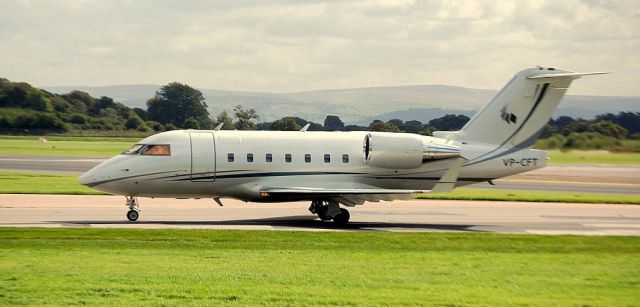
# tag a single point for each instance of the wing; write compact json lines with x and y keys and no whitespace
{"x":352,"y":197}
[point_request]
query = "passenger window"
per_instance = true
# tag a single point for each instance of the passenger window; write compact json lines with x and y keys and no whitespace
{"x":307,"y":158}
{"x":249,"y":157}
{"x":327,"y":158}
{"x":345,"y":158}
{"x":230,"y":157}
{"x":156,"y":150}
{"x":287,"y":158}
{"x":269,"y":158}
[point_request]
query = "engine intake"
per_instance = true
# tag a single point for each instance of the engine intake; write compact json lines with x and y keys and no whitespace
{"x":404,"y":151}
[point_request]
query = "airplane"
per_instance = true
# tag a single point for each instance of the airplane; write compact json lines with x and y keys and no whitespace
{"x":334,"y":169}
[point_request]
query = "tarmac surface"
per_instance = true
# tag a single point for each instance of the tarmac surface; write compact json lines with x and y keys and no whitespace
{"x":580,"y":178}
{"x":414,"y":215}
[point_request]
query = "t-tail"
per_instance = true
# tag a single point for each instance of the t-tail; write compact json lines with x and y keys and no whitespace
{"x":515,"y":117}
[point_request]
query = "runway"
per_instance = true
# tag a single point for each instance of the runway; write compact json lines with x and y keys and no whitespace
{"x":574,"y":178}
{"x":413,"y":215}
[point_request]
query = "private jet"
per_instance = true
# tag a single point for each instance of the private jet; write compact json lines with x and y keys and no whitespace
{"x":334,"y":170}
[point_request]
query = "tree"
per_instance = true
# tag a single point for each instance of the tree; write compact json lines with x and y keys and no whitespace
{"x":101,"y":103}
{"x":398,"y":123}
{"x":378,"y":125}
{"x":285,"y":124}
{"x":133,"y":122}
{"x":245,"y":118}
{"x":449,"y":122}
{"x":174,"y":103}
{"x":413,"y":126}
{"x":226,"y":121}
{"x":333,"y":123}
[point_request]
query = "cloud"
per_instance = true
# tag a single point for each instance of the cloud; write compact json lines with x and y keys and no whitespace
{"x":298,"y":45}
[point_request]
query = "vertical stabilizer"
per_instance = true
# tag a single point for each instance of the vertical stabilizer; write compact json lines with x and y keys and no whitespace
{"x":516,"y":115}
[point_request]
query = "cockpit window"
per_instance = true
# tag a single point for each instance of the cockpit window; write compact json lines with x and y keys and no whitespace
{"x":156,"y":150}
{"x":133,"y":150}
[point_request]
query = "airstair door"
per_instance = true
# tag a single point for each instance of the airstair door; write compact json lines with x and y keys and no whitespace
{"x":203,"y":157}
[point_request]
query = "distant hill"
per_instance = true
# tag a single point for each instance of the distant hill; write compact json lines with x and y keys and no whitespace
{"x":360,"y":105}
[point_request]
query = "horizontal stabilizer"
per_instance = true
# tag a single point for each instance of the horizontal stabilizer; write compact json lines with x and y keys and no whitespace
{"x":576,"y":75}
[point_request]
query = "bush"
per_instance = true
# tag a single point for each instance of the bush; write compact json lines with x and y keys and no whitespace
{"x":40,"y":121}
{"x":156,"y":126}
{"x":78,"y":119}
{"x":133,"y":122}
{"x":590,"y":140}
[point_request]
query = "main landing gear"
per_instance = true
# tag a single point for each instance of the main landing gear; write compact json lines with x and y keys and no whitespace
{"x":330,"y":210}
{"x":132,"y":203}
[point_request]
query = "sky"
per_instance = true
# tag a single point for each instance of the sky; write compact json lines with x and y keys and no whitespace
{"x":286,"y":46}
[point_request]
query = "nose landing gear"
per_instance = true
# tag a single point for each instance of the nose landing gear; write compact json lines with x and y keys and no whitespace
{"x":132,"y":203}
{"x":330,"y":210}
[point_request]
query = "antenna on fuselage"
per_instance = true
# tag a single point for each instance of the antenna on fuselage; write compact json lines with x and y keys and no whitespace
{"x":218,"y":127}
{"x":304,"y":129}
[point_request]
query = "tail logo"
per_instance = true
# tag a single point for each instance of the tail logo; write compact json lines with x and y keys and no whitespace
{"x":508,"y":117}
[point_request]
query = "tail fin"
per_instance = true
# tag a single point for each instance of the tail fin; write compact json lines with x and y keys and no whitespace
{"x":516,"y":115}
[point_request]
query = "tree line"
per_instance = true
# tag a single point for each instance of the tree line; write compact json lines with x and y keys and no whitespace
{"x":25,"y":109}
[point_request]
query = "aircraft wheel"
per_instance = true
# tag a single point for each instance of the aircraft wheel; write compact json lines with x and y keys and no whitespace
{"x":322,"y":213}
{"x":132,"y":215}
{"x":342,"y":218}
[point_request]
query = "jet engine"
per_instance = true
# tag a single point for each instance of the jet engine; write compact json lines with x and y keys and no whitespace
{"x":404,"y":151}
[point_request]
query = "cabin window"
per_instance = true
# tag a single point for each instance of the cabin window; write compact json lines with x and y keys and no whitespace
{"x":345,"y":158}
{"x":249,"y":157}
{"x":287,"y":158}
{"x":156,"y":150}
{"x":268,"y":157}
{"x":133,"y":150}
{"x":327,"y":158}
{"x":230,"y":157}
{"x":307,"y":158}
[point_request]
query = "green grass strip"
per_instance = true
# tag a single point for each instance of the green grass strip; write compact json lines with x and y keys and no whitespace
{"x":534,"y":196}
{"x":30,"y":183}
{"x":593,"y":157}
{"x":228,"y":267}
{"x":65,"y":146}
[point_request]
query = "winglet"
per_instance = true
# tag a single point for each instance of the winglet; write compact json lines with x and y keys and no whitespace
{"x":304,"y":129}
{"x":218,"y":127}
{"x":448,"y":181}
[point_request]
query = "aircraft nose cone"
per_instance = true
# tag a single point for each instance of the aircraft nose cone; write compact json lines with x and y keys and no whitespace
{"x":85,"y":179}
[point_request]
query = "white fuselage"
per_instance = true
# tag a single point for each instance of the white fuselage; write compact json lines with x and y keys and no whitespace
{"x":200,"y":164}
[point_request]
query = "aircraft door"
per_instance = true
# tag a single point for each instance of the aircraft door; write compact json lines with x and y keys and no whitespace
{"x":203,"y":157}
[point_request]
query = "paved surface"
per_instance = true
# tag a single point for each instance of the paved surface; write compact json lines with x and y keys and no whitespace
{"x":73,"y":165}
{"x":596,"y":179}
{"x":415,"y":215}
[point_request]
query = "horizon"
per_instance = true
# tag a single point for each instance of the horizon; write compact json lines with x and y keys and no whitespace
{"x":45,"y":87}
{"x":275,"y":47}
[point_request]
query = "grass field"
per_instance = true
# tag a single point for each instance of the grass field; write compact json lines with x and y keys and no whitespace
{"x":593,"y":157}
{"x":110,"y":146}
{"x":211,"y":267}
{"x":64,"y":146}
{"x":29,"y":183}
{"x":535,"y":196}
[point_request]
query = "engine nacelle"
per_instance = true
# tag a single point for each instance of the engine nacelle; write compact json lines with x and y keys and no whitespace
{"x":404,"y":151}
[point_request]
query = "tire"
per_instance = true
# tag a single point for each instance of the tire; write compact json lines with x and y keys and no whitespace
{"x":322,"y":213}
{"x":132,"y":215}
{"x":342,"y":218}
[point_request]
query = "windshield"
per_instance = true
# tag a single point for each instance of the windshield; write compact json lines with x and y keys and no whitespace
{"x":156,"y":150}
{"x":133,"y":150}
{"x":149,"y":150}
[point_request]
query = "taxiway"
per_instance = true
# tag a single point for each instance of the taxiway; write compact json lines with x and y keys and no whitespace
{"x":413,"y":215}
